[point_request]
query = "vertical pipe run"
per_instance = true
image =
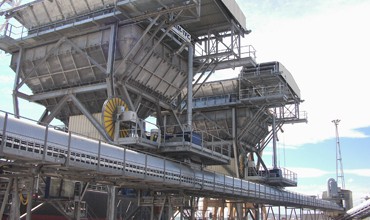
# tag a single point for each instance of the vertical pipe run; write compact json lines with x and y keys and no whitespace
{"x":233,"y":112}
{"x":274,"y":156}
{"x":190,"y":87}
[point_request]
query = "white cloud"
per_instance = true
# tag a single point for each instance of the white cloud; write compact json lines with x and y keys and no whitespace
{"x":6,"y":79}
{"x":327,"y":54}
{"x":358,"y":172}
{"x":311,"y":189}
{"x":304,"y":172}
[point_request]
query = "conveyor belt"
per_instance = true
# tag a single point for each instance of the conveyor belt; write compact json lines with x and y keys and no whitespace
{"x":34,"y":144}
{"x":358,"y":212}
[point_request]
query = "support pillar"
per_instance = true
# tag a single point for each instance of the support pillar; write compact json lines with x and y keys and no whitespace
{"x":29,"y":198}
{"x":77,"y":210}
{"x":110,"y":62}
{"x":111,"y":201}
{"x":192,"y":209}
{"x":274,"y":138}
{"x":257,"y":212}
{"x":233,"y":112}
{"x":14,"y":209}
{"x":16,"y":82}
{"x":239,"y":211}
{"x":190,"y":88}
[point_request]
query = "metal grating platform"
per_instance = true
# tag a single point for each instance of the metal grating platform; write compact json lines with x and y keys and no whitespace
{"x":268,"y":84}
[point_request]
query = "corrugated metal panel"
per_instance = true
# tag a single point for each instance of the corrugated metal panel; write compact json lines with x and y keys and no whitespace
{"x":81,"y":125}
{"x":224,"y":169}
{"x":215,"y":88}
{"x":51,"y":11}
{"x":289,"y":79}
{"x":236,"y":12}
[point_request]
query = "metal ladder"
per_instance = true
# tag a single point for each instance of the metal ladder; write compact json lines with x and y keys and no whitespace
{"x":5,"y":188}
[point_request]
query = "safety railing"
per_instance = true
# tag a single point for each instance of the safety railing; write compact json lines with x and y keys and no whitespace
{"x":20,"y":32}
{"x":14,"y":32}
{"x":211,"y":46}
{"x":279,"y":173}
{"x":199,"y":140}
{"x":262,"y":91}
{"x":215,"y":100}
{"x":137,"y":133}
{"x":109,"y":160}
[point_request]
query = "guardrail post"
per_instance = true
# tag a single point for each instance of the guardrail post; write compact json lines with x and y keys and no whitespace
{"x":202,"y":141}
{"x":241,"y":187}
{"x":213,"y":146}
{"x":146,"y":166}
{"x":180,"y":176}
{"x":4,"y":133}
{"x":202,"y":180}
{"x":124,"y":161}
{"x":233,"y":185}
{"x":99,"y":157}
{"x":45,"y":142}
{"x":164,"y":170}
{"x":69,"y":149}
{"x":214,"y":180}
{"x":194,"y":180}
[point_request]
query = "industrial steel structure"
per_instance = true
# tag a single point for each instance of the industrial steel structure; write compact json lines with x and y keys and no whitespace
{"x":114,"y":63}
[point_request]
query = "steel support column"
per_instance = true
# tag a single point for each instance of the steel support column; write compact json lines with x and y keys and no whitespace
{"x":190,"y":87}
{"x":110,"y":63}
{"x":29,"y":198}
{"x":111,"y":203}
{"x":77,"y":210}
{"x":14,"y":209}
{"x":233,"y":112}
{"x":274,"y":138}
{"x":16,"y":81}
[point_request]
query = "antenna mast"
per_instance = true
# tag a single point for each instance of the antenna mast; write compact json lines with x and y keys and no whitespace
{"x":339,"y":155}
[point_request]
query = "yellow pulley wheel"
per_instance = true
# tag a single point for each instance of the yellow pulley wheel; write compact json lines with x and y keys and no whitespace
{"x":109,"y":113}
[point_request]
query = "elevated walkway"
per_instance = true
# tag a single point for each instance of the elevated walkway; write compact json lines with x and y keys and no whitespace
{"x":360,"y":211}
{"x":279,"y":177}
{"x":267,"y":83}
{"x":64,"y":154}
{"x":198,"y":146}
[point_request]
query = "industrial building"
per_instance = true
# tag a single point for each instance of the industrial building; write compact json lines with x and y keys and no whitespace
{"x":146,"y":134}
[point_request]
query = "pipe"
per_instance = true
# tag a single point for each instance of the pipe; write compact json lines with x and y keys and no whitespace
{"x":234,"y":143}
{"x":274,"y":156}
{"x":190,"y":87}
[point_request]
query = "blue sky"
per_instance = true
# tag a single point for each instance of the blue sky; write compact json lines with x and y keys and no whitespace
{"x":326,"y":46}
